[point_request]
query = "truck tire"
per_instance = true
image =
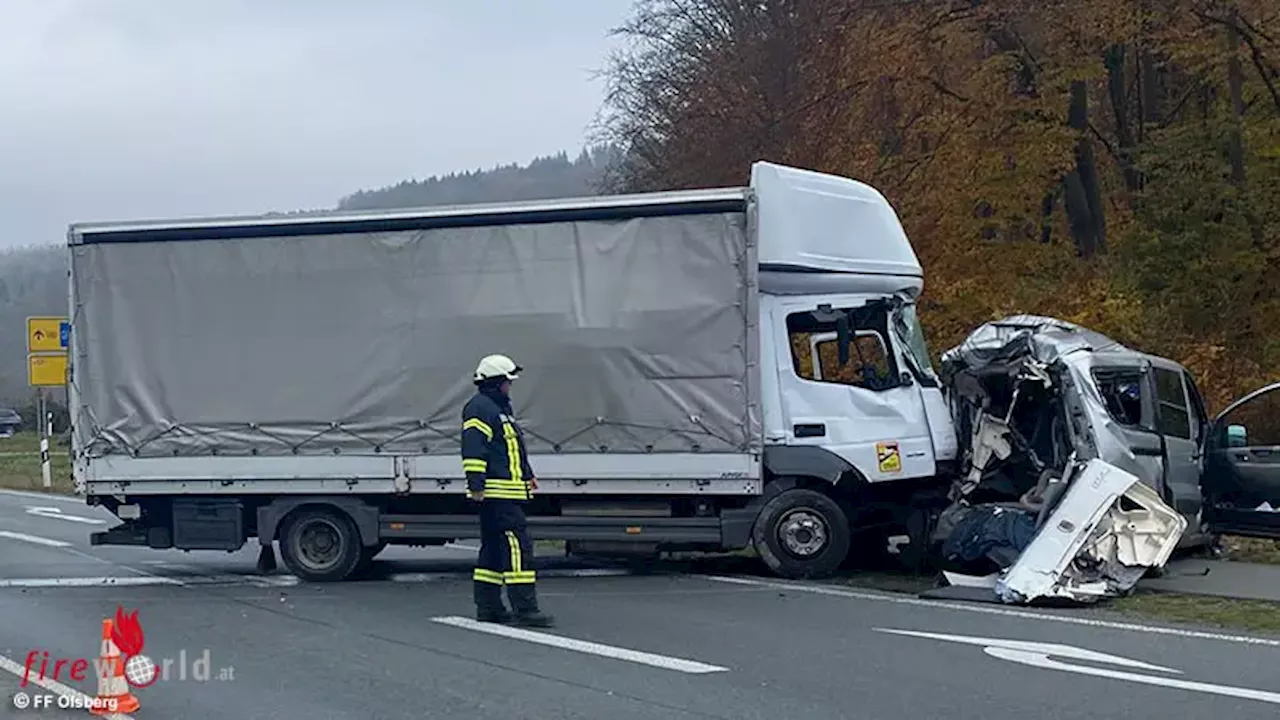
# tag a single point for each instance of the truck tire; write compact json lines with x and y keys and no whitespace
{"x":801,"y":534}
{"x":320,"y":545}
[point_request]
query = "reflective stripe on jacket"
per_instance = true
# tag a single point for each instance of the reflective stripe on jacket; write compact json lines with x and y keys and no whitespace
{"x":493,"y":453}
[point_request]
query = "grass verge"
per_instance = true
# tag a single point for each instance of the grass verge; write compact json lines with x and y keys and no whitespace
{"x":1251,"y":550}
{"x":20,"y":465}
{"x":1255,"y":615}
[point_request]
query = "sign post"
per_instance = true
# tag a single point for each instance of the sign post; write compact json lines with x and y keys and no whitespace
{"x":48,"y":343}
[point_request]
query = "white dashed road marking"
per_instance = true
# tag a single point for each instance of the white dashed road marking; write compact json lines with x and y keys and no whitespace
{"x":133,"y":580}
{"x":33,"y":539}
{"x":45,"y":496}
{"x":643,"y":658}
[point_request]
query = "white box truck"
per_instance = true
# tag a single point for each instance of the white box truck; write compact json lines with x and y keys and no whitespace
{"x":706,"y":370}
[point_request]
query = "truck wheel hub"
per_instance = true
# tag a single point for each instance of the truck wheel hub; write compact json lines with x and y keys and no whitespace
{"x":803,"y":533}
{"x":319,"y":544}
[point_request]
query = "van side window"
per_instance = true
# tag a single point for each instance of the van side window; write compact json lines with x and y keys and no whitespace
{"x":1122,"y":392}
{"x":1173,"y":417}
{"x":815,"y":354}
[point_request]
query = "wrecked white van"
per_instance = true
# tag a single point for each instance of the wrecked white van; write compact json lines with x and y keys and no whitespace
{"x":1086,"y":464}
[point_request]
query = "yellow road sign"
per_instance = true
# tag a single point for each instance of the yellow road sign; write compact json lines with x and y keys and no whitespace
{"x":47,"y":334}
{"x":47,"y":369}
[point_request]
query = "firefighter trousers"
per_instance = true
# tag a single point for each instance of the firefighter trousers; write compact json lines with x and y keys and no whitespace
{"x":505,"y":560}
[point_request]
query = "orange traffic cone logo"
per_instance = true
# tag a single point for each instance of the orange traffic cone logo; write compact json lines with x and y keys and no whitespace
{"x":113,"y":688}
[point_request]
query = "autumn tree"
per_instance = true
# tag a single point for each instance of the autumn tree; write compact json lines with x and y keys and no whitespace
{"x":1111,"y":162}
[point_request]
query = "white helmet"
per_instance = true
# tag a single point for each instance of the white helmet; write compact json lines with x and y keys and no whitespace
{"x":497,"y":366}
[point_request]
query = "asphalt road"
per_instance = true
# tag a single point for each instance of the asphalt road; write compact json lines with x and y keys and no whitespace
{"x":642,"y":647}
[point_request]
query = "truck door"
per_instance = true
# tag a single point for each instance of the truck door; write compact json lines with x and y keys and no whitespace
{"x":1241,"y":478}
{"x":869,"y":411}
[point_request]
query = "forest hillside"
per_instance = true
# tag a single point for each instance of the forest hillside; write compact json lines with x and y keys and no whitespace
{"x":1111,"y":162}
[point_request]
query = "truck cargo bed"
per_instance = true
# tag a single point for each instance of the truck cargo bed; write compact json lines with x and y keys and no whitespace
{"x":275,"y":355}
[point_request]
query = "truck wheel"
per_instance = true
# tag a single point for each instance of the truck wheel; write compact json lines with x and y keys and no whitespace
{"x":320,"y":545}
{"x":802,"y":534}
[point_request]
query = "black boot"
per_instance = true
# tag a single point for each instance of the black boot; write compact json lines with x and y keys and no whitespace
{"x":501,"y":617}
{"x":524,"y":601}
{"x":489,"y":606}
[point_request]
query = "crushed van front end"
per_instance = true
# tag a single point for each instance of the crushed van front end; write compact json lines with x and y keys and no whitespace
{"x":1052,"y":501}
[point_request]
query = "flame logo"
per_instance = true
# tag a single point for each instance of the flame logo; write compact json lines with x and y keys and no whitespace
{"x":126,"y":632}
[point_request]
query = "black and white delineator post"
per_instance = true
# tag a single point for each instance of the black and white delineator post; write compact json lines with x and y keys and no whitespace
{"x":45,"y":421}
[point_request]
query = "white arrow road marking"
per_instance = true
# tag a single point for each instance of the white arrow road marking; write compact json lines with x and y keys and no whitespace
{"x":1037,"y":648}
{"x":57,"y":514}
{"x":980,"y":609}
{"x":1037,"y":654}
{"x":34,"y":540}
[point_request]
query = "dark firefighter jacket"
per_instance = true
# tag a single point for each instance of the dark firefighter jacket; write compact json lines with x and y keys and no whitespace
{"x":493,"y":453}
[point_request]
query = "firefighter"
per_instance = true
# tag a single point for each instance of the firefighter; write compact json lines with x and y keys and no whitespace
{"x":500,"y":479}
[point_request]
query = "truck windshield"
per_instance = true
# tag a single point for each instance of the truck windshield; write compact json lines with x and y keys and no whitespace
{"x":906,"y":325}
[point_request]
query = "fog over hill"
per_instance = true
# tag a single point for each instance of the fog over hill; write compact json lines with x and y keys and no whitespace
{"x":33,"y":280}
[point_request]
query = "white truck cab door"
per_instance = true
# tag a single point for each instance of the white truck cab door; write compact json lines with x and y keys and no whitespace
{"x":871,"y":411}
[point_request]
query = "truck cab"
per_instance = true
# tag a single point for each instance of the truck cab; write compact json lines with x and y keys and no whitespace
{"x":851,"y":372}
{"x":850,"y":397}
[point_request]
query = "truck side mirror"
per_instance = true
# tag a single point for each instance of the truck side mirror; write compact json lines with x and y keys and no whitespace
{"x":1237,"y":436}
{"x":842,"y":339}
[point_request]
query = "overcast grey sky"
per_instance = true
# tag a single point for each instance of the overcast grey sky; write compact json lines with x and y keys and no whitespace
{"x":115,"y":109}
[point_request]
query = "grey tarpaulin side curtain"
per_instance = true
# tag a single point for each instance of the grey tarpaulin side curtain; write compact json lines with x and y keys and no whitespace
{"x":637,"y":336}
